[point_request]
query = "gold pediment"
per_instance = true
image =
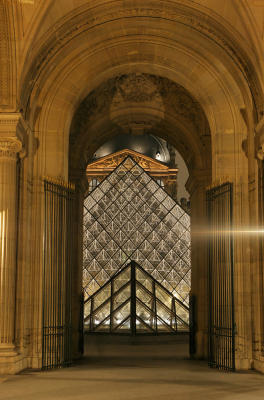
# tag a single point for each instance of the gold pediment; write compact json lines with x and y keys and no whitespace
{"x":111,"y":161}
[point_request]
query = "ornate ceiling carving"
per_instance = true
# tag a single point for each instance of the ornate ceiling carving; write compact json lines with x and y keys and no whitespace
{"x":121,"y":93}
{"x":115,"y":106}
{"x":136,"y":88}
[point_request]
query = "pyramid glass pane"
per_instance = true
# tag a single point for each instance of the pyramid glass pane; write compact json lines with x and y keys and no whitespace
{"x":132,"y":308}
{"x":130,"y":217}
{"x":122,"y":296}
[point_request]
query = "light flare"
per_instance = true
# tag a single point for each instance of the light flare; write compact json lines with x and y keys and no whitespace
{"x":235,"y":231}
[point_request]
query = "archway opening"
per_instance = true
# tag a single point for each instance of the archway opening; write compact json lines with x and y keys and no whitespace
{"x":130,"y":216}
{"x":205,"y":58}
{"x":131,"y":108}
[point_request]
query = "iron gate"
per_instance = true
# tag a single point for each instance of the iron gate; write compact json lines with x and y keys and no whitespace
{"x":57,"y":279}
{"x":221,"y":278}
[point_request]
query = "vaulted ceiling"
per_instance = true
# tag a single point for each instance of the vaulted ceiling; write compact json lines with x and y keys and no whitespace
{"x":138,"y":103}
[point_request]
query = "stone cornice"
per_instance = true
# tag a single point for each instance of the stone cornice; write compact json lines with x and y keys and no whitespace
{"x":88,"y":18}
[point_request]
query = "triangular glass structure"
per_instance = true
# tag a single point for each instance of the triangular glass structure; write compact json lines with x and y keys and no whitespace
{"x":133,"y":302}
{"x":129,"y":216}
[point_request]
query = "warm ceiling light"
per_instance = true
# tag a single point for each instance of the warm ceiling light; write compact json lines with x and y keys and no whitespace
{"x":158,"y":155}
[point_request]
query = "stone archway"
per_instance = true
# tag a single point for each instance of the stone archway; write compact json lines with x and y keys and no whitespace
{"x":192,"y":50}
{"x":148,"y":103}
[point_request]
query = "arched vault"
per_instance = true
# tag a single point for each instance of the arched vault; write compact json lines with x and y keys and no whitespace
{"x":139,"y":103}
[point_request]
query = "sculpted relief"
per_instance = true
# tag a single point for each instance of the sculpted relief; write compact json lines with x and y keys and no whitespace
{"x":138,"y":99}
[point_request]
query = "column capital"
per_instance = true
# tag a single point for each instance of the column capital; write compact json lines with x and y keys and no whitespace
{"x":13,"y":134}
{"x":9,"y":147}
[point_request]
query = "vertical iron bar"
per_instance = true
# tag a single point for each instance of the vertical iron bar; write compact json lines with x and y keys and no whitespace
{"x":221,"y":279}
{"x":60,"y":277}
{"x":66,"y":296}
{"x":81,"y":324}
{"x":111,"y":305}
{"x":57,"y":279}
{"x":67,"y":250}
{"x":232,"y":279}
{"x":218,"y":284}
{"x":44,"y":350}
{"x":226,"y":277}
{"x":51,"y":280}
{"x":133,"y":299}
{"x":54,"y":282}
{"x":155,"y":307}
{"x":63,"y":299}
{"x":174,"y":314}
{"x":192,"y":324}
{"x":91,"y":314}
{"x":209,"y":279}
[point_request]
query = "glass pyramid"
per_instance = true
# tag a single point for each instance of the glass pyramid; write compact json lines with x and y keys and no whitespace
{"x":130,"y":217}
{"x":132,"y":301}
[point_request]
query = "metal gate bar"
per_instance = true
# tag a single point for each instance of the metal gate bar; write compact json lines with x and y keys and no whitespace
{"x":192,"y":307}
{"x":221,"y":278}
{"x":57,"y":275}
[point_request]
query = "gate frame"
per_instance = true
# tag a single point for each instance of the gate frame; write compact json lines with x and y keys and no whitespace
{"x":59,"y":198}
{"x":214,"y":297}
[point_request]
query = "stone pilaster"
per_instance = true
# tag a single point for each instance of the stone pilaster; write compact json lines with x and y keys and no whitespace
{"x":10,"y":146}
{"x":8,"y":206}
{"x":196,"y":186}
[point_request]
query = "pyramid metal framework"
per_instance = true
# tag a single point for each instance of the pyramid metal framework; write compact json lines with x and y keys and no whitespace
{"x":133,"y":302}
{"x":128,"y":216}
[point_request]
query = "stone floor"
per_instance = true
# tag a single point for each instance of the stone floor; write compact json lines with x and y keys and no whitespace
{"x":122,"y":370}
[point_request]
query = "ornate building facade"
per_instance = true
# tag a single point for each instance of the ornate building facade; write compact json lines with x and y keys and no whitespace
{"x":75,"y":74}
{"x":165,"y":176}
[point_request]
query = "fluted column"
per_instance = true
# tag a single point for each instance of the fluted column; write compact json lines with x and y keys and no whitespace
{"x":9,"y":148}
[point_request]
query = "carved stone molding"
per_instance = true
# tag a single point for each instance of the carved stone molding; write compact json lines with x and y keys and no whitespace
{"x":7,"y":55}
{"x":4,"y":55}
{"x":89,"y":17}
